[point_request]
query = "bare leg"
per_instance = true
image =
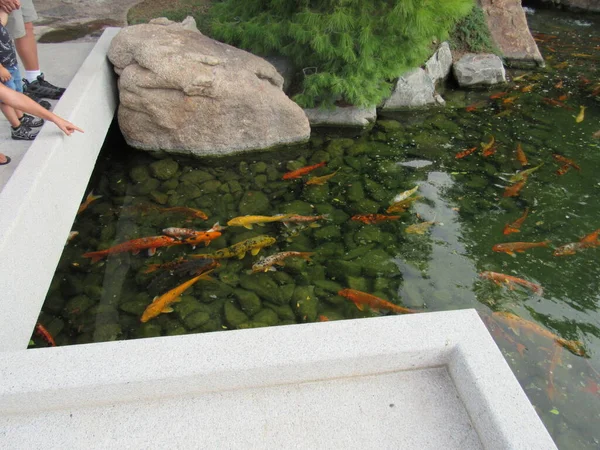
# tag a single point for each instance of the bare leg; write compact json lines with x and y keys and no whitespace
{"x":10,"y":114}
{"x":27,"y":49}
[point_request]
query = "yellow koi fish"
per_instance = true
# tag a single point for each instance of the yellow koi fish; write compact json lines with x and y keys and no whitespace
{"x":581,"y":114}
{"x":321,"y":180}
{"x":404,"y":195}
{"x":486,"y":147}
{"x":239,"y":250}
{"x":402,"y":206}
{"x":523,"y":174}
{"x":419,"y":228}
{"x":88,"y":200}
{"x":248,"y":221}
{"x":162,"y":304}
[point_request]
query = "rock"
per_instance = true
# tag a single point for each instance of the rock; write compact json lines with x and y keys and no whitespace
{"x":159,"y":197}
{"x":196,"y":319}
{"x":477,"y":70}
{"x":196,"y":177}
{"x":284,"y":67}
{"x":350,"y":116}
{"x":254,"y":203}
{"x":263,"y":285}
{"x":182,"y":92}
{"x":284,"y":312}
{"x":164,"y":169}
{"x":439,"y":65}
{"x":305,"y":303}
{"x":107,"y":332}
{"x":233,"y":316}
{"x":389,"y":125}
{"x":249,"y":301}
{"x":510,"y":32}
{"x":577,"y":5}
{"x":139,"y":174}
{"x":267,"y":316}
{"x":414,"y":89}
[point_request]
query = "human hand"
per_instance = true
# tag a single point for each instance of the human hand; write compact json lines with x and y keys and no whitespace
{"x":9,"y":5}
{"x":67,"y":127}
{"x":4,"y":74}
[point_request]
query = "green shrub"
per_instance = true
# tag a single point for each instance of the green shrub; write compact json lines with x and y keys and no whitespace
{"x":471,"y":34}
{"x":347,"y":50}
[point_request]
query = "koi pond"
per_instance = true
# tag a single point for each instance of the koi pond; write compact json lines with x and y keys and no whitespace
{"x":436,"y":250}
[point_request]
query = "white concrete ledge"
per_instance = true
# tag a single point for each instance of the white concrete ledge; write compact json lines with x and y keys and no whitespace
{"x":40,"y":200}
{"x":303,"y":386}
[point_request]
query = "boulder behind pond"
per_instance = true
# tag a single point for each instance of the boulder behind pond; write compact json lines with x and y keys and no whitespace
{"x":181,"y":91}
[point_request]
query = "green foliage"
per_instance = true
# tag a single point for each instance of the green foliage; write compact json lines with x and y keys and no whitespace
{"x":347,"y":50}
{"x":471,"y":34}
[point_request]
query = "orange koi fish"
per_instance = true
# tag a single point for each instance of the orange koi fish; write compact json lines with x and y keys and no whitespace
{"x":489,"y":151}
{"x":360,"y":299}
{"x":498,"y":95}
{"x":562,"y":170}
{"x":554,"y":361}
{"x":372,"y":219}
{"x":559,"y":85}
{"x":151,"y":244}
{"x":566,"y":161}
{"x":321,"y":180}
{"x":563,"y":97}
{"x":161,"y":304}
{"x":302,"y":171}
{"x":515,"y":226}
{"x":588,"y":241}
{"x":510,"y":281}
{"x":295,"y":218}
{"x":518,"y":247}
{"x":510,"y":100}
{"x":521,"y":157}
{"x":266,"y":264}
{"x":88,"y":200}
{"x":518,"y":323}
{"x":192,"y":212}
{"x":514,"y":189}
{"x":553,"y":102}
{"x":41,"y":331}
{"x":323,"y":318}
{"x":402,"y":205}
{"x":497,"y":331}
{"x":528,"y":88}
{"x":474,"y":107}
{"x":465,"y":153}
{"x":487,"y":146}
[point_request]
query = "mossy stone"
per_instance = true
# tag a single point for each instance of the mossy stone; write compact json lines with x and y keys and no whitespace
{"x":254,"y":203}
{"x":267,"y":316}
{"x":353,"y":162}
{"x":358,"y":283}
{"x":355,"y":192}
{"x":319,"y":156}
{"x":196,"y":177}
{"x":284,"y":312}
{"x":146,"y":186}
{"x":376,"y":191}
{"x":210,"y":187}
{"x":263,"y":285}
{"x":300,"y":243}
{"x":234,"y":316}
{"x":327,"y":233}
{"x":273,"y":175}
{"x":389,"y":125}
{"x":305,"y":303}
{"x":378,"y":263}
{"x":286,"y":291}
{"x":148,"y":330}
{"x":338,"y":269}
{"x":93,"y":292}
{"x":367,"y":234}
{"x":234,"y":186}
{"x":297,"y":207}
{"x":331,"y":250}
{"x":329,"y":286}
{"x":178,"y":331}
{"x":282,"y":277}
{"x":159,"y":197}
{"x":117,"y":184}
{"x":169,"y":185}
{"x":258,"y":167}
{"x":78,"y":305}
{"x":367,"y":206}
{"x":260,"y":181}
{"x":107,"y":332}
{"x":196,"y":319}
{"x":336,"y":147}
{"x":188,"y":305}
{"x":249,"y":301}
{"x":189,"y":190}
{"x":164,"y":169}
{"x":316,"y":193}
{"x":139,"y":174}
{"x":248,"y":325}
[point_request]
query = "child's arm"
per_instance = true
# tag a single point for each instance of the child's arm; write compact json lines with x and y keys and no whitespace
{"x":3,"y":17}
{"x":24,"y":103}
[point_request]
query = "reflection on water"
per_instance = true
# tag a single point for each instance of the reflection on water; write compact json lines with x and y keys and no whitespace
{"x":463,"y":198}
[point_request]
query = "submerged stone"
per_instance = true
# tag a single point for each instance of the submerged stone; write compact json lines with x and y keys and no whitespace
{"x":254,"y":203}
{"x":267,"y":316}
{"x":164,"y":169}
{"x":263,"y":285}
{"x":284,"y":312}
{"x":196,"y":319}
{"x":196,"y":177}
{"x":234,"y":316}
{"x":305,"y":303}
{"x":107,"y":332}
{"x":249,"y":301}
{"x":139,"y":174}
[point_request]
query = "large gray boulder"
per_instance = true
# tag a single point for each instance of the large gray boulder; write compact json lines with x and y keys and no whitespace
{"x":183,"y":92}
{"x":439,"y":65}
{"x":414,"y":89}
{"x":350,"y":116}
{"x":478,"y":70}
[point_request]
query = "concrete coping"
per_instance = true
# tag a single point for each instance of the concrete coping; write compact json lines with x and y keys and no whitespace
{"x":104,"y":378}
{"x":40,"y":200}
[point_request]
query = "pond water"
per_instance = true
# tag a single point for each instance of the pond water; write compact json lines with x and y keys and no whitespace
{"x":462,"y":203}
